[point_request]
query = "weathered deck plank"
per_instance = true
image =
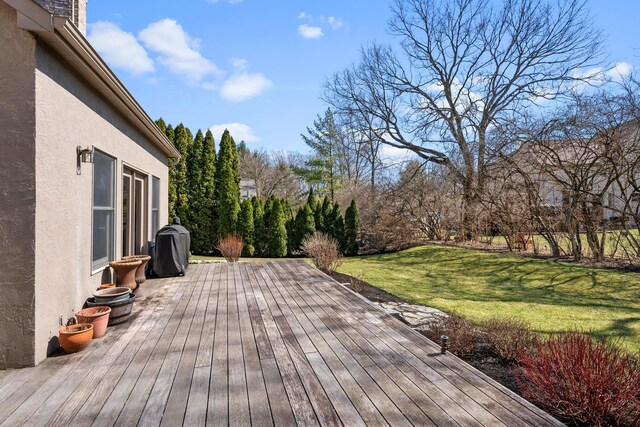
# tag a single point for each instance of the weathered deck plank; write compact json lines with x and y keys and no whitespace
{"x":263,"y":344}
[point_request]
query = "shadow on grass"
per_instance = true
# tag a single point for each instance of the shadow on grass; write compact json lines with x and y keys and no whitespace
{"x":465,"y":276}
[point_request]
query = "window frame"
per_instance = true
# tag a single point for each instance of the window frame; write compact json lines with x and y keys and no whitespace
{"x":100,"y":264}
{"x":155,"y":206}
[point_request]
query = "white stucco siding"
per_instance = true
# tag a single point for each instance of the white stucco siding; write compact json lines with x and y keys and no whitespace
{"x":70,"y":113}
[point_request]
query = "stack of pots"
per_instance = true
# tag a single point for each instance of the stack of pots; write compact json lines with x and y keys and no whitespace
{"x":119,"y":300}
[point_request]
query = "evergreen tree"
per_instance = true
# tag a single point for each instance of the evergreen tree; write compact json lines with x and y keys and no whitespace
{"x":277,"y":239}
{"x":352,"y":228}
{"x":312,"y":200}
{"x":323,"y":167}
{"x":304,"y":225}
{"x":324,"y":216}
{"x":337,"y":227}
{"x":268,"y":207}
{"x":161,"y":125}
{"x":194,"y":191}
{"x":226,"y":187}
{"x":260,"y":232}
{"x":207,"y":187}
{"x":291,"y":234}
{"x":172,"y":183}
{"x":182,"y":143}
{"x":246,"y":227}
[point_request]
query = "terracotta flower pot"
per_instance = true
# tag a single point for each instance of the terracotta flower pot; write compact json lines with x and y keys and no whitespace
{"x":97,"y":316}
{"x":106,"y":286}
{"x":74,"y":338}
{"x":126,"y":272}
{"x":140,"y":276}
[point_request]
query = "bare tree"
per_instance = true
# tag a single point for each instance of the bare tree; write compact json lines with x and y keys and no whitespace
{"x":465,"y":66}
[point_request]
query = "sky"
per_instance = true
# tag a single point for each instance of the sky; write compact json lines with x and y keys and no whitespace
{"x":257,"y":67}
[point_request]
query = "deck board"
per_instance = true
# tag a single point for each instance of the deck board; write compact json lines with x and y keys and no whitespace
{"x":262,"y":344}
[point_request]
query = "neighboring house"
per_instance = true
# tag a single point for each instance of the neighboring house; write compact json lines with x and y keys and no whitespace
{"x":247,"y":189}
{"x":547,"y":165}
{"x":64,"y":214}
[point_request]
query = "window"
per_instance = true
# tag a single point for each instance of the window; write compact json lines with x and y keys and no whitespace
{"x":104,"y":172}
{"x":155,"y":207}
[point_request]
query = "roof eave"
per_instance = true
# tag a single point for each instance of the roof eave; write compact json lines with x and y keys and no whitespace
{"x":63,"y":36}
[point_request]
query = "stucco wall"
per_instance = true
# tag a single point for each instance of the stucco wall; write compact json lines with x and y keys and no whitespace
{"x":17,"y":192}
{"x":69,"y":113}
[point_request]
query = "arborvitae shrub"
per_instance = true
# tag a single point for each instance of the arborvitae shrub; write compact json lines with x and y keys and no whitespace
{"x":259,"y":226}
{"x":337,"y":228}
{"x":277,"y":237}
{"x":246,"y":227}
{"x":352,"y":228}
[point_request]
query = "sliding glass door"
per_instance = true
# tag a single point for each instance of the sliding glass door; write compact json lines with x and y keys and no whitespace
{"x":134,"y":212}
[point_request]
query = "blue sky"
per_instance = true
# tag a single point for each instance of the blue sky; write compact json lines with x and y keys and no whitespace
{"x":258,"y":66}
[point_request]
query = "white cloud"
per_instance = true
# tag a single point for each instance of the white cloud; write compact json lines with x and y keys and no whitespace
{"x":119,"y":48}
{"x":239,"y":63}
{"x":178,"y":51}
{"x":305,"y":15}
{"x":619,"y":71}
{"x":390,"y":154}
{"x":239,"y":132}
{"x":335,"y":22}
{"x":598,"y":76}
{"x":244,"y":85}
{"x":310,"y":31}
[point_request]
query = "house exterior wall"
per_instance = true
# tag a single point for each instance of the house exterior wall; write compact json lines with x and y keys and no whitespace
{"x":70,"y":113}
{"x":17,"y":192}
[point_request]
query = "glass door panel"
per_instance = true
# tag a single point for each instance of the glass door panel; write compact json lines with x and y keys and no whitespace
{"x":126,"y":215}
{"x":134,"y":213}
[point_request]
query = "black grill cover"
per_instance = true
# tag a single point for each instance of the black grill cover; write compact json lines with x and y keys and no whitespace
{"x":171,"y":256}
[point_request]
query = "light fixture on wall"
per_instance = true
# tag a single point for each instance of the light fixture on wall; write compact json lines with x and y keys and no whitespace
{"x":84,"y":155}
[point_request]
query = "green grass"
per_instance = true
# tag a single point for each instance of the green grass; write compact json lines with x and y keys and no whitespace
{"x":614,"y":245}
{"x":550,"y":296}
{"x":219,"y":258}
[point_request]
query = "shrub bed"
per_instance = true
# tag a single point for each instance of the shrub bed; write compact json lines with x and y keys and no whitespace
{"x":581,"y":380}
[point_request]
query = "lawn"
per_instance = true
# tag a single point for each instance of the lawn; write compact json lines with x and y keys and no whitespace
{"x":551,"y":296}
{"x":615,"y":246}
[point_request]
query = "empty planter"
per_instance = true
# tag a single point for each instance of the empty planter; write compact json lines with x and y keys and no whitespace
{"x":111,"y":295}
{"x":97,"y":316}
{"x":126,"y":272}
{"x":120,"y":310}
{"x":140,"y":276}
{"x":74,"y":338}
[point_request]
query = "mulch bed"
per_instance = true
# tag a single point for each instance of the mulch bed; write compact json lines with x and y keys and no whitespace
{"x":483,"y":358}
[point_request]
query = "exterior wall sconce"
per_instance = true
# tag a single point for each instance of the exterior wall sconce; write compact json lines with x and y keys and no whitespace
{"x":84,"y":155}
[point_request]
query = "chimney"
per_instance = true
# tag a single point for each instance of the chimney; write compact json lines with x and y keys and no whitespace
{"x":76,"y":10}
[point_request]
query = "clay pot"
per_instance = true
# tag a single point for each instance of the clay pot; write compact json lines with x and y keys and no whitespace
{"x":111,"y":295}
{"x":74,"y":338}
{"x":106,"y":286}
{"x":97,"y":316}
{"x":140,"y":276}
{"x":120,"y":310}
{"x":126,"y":272}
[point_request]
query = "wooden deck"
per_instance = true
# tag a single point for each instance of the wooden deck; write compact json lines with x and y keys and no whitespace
{"x":260,"y":344}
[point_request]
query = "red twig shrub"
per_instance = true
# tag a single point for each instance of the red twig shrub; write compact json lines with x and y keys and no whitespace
{"x":323,"y":251}
{"x":509,"y":337}
{"x":231,"y":248}
{"x":461,"y":333}
{"x":580,"y":380}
